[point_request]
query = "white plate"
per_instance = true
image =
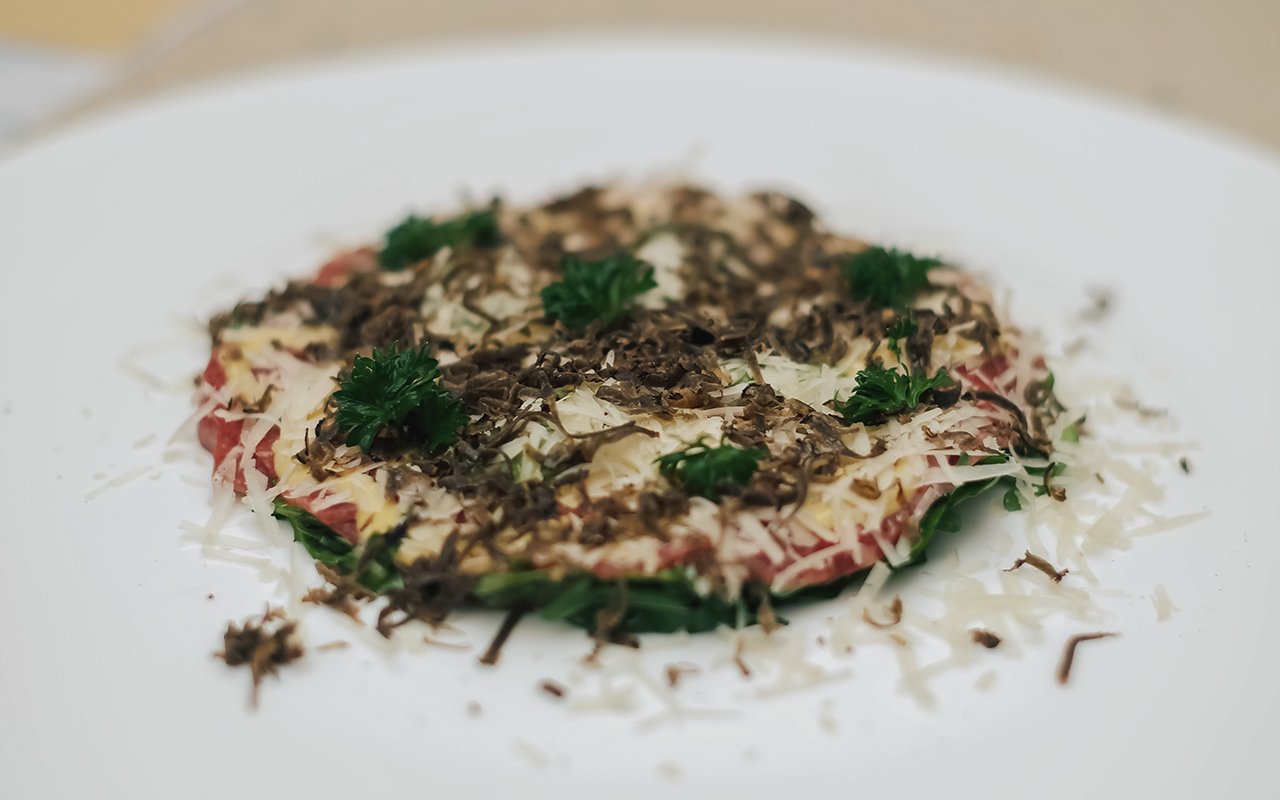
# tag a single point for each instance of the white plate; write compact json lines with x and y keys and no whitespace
{"x":118,"y":233}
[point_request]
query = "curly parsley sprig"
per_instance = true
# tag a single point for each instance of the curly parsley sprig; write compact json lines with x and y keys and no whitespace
{"x":711,"y":471}
{"x":882,"y":392}
{"x":902,"y":328}
{"x":418,"y":238}
{"x":887,"y":277}
{"x":597,"y":290}
{"x":398,"y":392}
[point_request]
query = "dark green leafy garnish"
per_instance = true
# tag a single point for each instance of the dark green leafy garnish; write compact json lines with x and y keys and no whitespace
{"x":1011,"y":500}
{"x":419,"y":238}
{"x":883,"y":392}
{"x":711,"y":471}
{"x":593,"y":291}
{"x":902,"y":328}
{"x":944,"y":515}
{"x":667,"y":602}
{"x":888,"y":278}
{"x":377,"y":573}
{"x":398,"y":392}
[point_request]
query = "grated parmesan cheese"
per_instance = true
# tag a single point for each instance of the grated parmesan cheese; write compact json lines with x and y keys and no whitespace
{"x":1163,"y":605}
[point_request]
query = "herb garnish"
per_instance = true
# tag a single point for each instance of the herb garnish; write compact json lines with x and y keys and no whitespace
{"x":398,"y":391}
{"x":711,"y":471}
{"x":1071,"y":433}
{"x":597,"y":290}
{"x":664,"y":603}
{"x":419,"y":238}
{"x":902,"y":328}
{"x":883,"y":392}
{"x":888,"y":278}
{"x":944,"y":516}
{"x":1011,"y":501}
{"x":377,"y":574}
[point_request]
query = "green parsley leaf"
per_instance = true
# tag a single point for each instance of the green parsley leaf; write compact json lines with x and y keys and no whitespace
{"x":597,"y":290}
{"x":889,"y":278}
{"x":711,"y":471}
{"x":883,"y":392}
{"x":398,"y":391}
{"x":902,"y":328}
{"x":419,"y":238}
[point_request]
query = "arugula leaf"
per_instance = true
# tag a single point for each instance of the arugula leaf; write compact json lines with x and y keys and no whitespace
{"x":380,"y":572}
{"x":883,"y":392}
{"x":665,"y":603}
{"x":711,"y":471}
{"x":902,"y":328}
{"x":1011,"y":501}
{"x":943,"y":514}
{"x":322,"y":542}
{"x":887,"y":277}
{"x":1071,"y":433}
{"x":418,"y":238}
{"x":597,"y":290}
{"x":328,"y":547}
{"x":398,"y":391}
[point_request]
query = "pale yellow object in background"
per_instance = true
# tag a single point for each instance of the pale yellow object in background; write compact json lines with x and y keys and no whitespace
{"x":1213,"y":61}
{"x":99,"y":25}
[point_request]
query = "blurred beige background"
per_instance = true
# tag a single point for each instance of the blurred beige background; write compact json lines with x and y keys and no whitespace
{"x":1216,"y":61}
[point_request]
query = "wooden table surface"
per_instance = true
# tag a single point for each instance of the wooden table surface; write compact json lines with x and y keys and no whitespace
{"x":1215,"y":61}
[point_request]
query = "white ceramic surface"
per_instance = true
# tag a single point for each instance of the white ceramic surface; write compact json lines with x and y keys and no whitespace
{"x":117,"y":235}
